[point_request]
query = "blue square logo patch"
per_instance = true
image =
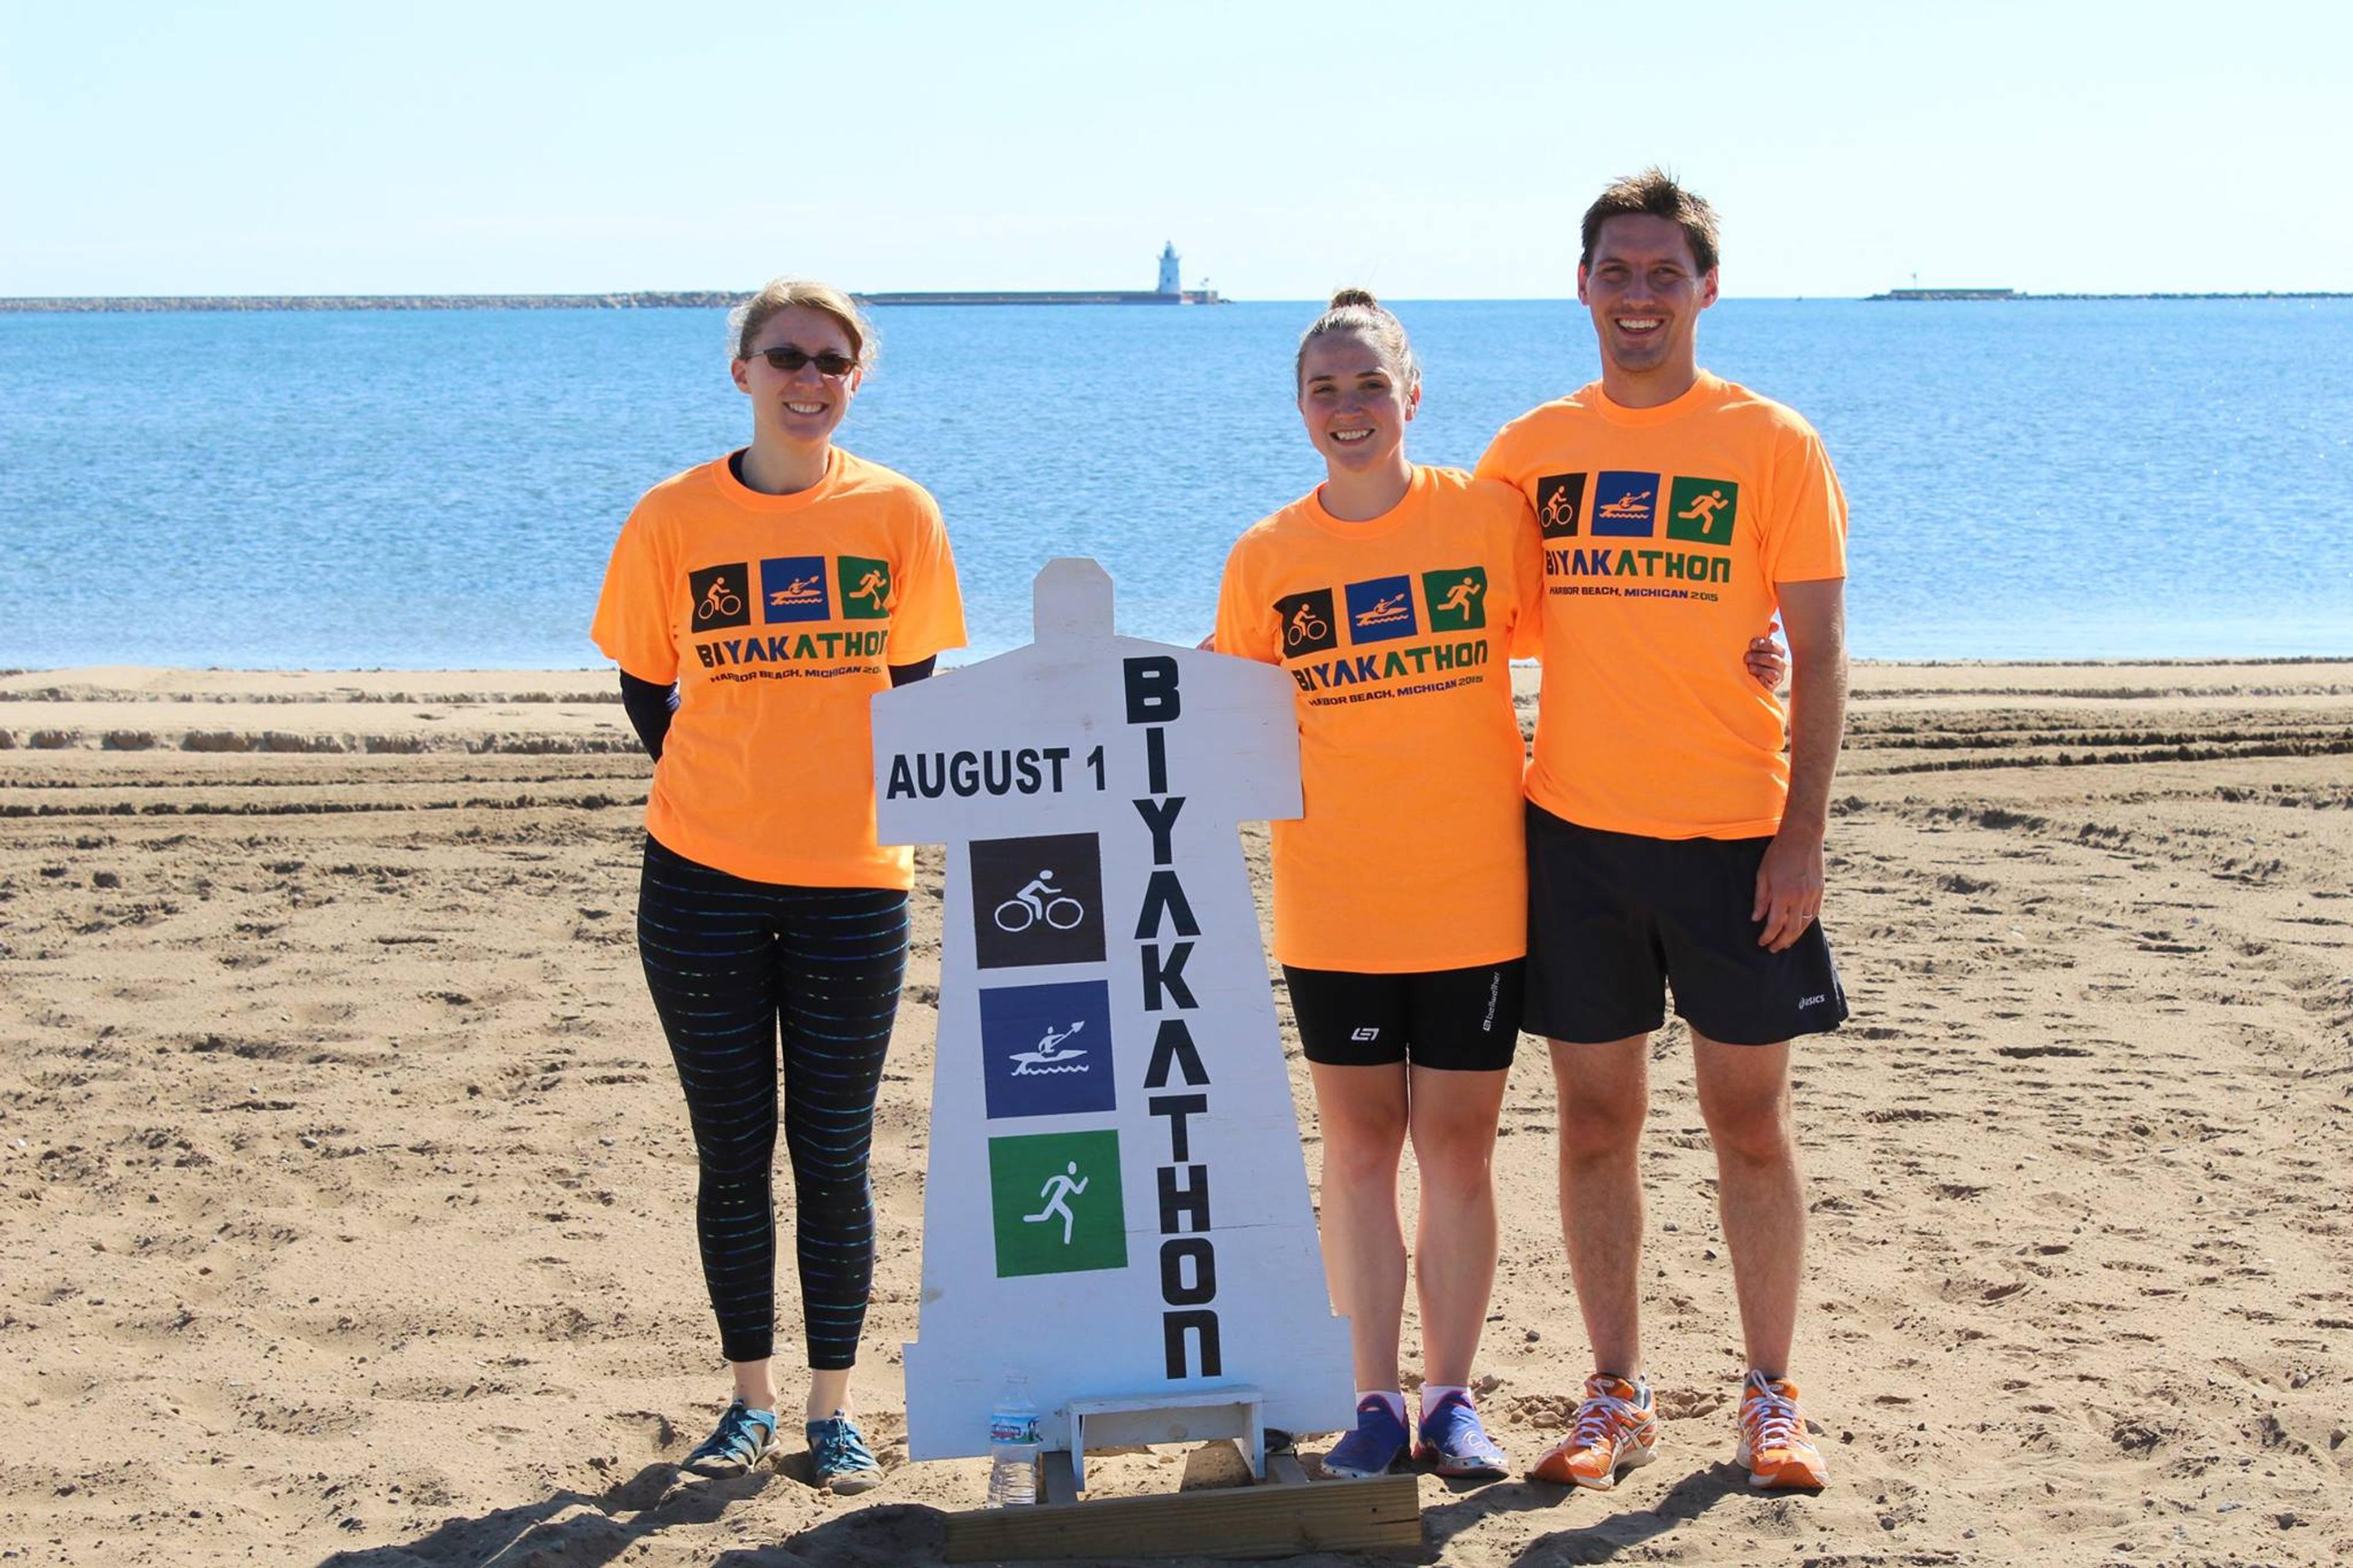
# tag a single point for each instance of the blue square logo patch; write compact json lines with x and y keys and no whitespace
{"x":792,"y":588}
{"x":1380,"y":609}
{"x":1626,"y":505}
{"x":1046,"y":1049}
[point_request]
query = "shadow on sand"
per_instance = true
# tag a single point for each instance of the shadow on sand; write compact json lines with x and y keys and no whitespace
{"x":584,"y":1530}
{"x":1612,"y":1529}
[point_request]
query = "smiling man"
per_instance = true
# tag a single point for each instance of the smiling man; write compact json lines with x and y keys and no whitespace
{"x":1672,"y":844}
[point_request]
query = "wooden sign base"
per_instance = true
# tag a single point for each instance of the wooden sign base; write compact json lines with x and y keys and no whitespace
{"x":1281,"y":1516}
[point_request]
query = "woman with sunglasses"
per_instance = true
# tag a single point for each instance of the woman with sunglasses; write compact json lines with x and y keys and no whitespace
{"x":1394,"y":595}
{"x":755,"y":604}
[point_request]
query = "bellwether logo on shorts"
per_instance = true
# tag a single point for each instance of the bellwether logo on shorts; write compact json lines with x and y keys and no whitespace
{"x":1560,"y":501}
{"x":1380,"y":609}
{"x":865,"y":587}
{"x":1458,"y":598}
{"x":1046,"y":1049}
{"x":722,"y":595}
{"x":1309,"y":623}
{"x":1037,"y":900}
{"x":1625,"y":504}
{"x":792,"y":588}
{"x":1701,"y":511}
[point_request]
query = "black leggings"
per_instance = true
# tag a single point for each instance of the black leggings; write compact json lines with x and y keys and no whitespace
{"x":733,"y":965}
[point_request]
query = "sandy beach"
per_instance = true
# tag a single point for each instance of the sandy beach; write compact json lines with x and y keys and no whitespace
{"x":345,"y":1189}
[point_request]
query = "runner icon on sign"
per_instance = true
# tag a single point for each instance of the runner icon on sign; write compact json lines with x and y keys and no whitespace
{"x":1039,"y":899}
{"x":1458,"y":597}
{"x":870,"y":588}
{"x":1058,"y":1192}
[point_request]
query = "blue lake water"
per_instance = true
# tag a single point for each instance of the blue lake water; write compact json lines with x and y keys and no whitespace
{"x":348,"y":490}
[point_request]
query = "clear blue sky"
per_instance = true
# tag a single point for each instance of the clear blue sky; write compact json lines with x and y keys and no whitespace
{"x":1431,"y":151}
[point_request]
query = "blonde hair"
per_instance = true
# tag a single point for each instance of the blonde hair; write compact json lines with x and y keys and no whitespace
{"x":1356,"y":310}
{"x":745,"y":321}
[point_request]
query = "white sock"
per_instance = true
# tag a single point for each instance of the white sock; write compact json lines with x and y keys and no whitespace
{"x":1392,"y":1397}
{"x":1433,"y":1395}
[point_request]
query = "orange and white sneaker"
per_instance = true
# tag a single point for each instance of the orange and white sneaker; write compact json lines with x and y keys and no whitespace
{"x":1617,"y":1430}
{"x":1773,"y":1441}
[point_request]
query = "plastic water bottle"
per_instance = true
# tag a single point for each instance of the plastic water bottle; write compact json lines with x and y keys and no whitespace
{"x":1013,"y":1446}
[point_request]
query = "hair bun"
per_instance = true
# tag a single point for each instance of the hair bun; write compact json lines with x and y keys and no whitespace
{"x":1346,"y":296}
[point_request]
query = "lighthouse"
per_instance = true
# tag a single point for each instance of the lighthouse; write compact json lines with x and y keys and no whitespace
{"x":1170,"y":283}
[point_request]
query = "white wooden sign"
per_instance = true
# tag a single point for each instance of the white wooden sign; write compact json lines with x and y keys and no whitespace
{"x":1117,"y":1200}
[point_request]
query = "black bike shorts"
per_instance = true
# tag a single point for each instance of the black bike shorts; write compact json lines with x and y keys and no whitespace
{"x":1463,"y":1020}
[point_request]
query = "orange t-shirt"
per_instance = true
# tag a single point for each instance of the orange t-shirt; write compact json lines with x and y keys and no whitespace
{"x":777,"y":615}
{"x":1397,"y":633}
{"x":1665,"y":532}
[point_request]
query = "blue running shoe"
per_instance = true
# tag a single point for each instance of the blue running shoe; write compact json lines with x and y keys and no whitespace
{"x":744,"y":1439}
{"x":1453,"y":1443}
{"x":1379,"y":1441}
{"x":840,"y":1460}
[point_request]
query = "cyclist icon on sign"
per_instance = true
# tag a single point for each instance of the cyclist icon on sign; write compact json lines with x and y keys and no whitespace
{"x":1039,"y":900}
{"x":1559,"y":510}
{"x":1058,"y":1192}
{"x":1305,"y":627}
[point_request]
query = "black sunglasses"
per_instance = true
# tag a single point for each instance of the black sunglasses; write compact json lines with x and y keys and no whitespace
{"x":791,"y":361}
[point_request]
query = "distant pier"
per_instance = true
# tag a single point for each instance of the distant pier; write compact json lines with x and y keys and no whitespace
{"x":1170,"y":291}
{"x":1948,"y":294}
{"x":1051,"y":296}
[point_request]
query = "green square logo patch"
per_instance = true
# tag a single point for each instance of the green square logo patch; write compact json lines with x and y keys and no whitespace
{"x":1701,"y":511}
{"x":1056,"y":1203}
{"x":865,"y":587}
{"x":1456,"y":599}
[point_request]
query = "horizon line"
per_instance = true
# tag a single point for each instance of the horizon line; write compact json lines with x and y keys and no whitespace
{"x":719,"y":298}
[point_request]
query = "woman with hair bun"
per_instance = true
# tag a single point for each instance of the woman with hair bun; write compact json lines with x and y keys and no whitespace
{"x":1395,"y":594}
{"x":755,"y":604}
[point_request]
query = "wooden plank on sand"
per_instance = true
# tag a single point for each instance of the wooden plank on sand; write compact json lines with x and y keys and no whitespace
{"x":1238,"y":1521}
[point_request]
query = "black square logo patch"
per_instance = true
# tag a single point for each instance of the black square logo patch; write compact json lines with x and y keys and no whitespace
{"x":1308,"y":623}
{"x":723,"y":597}
{"x":1037,"y":900}
{"x":1560,"y":502}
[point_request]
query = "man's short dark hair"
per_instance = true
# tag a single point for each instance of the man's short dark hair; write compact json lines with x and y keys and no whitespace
{"x":1655,"y":194}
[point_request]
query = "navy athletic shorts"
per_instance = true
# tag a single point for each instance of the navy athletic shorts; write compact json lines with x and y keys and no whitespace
{"x":1617,"y":920}
{"x":1463,"y":1020}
